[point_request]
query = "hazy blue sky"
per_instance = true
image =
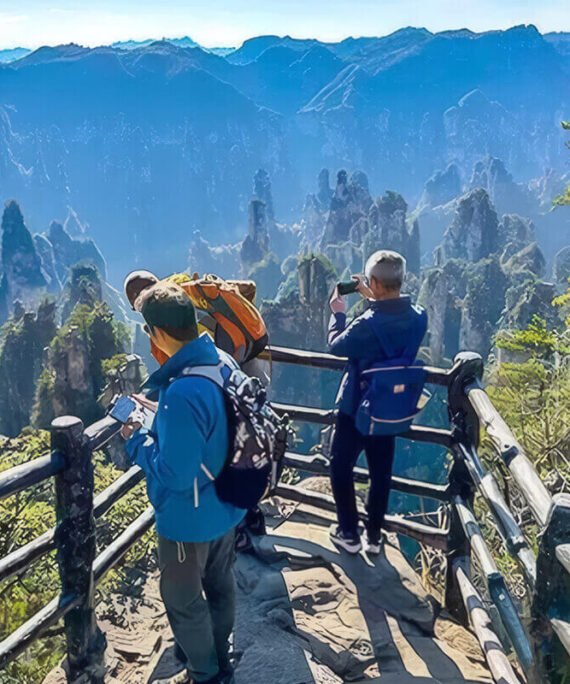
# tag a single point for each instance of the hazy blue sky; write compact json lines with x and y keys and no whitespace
{"x":229,"y":22}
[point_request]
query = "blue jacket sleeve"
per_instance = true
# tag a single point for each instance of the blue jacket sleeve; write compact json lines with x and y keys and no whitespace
{"x":173,"y":457}
{"x":352,"y":342}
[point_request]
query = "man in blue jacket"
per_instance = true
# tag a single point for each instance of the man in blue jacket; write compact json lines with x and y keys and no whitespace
{"x":402,"y":323}
{"x":181,"y":455}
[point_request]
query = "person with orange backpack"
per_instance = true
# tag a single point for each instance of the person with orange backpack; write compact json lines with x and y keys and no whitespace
{"x":225,"y":309}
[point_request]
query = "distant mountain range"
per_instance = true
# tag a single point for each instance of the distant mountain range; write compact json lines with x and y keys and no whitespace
{"x":147,"y":142}
{"x":12,"y":54}
{"x":253,"y":47}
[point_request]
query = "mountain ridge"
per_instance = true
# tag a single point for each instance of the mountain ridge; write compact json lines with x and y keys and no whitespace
{"x":133,"y":138}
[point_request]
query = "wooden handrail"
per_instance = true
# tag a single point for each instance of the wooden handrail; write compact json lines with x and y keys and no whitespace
{"x":511,"y":453}
{"x":56,"y":609}
{"x":498,"y":663}
{"x":306,"y":414}
{"x":496,"y":585}
{"x":432,"y":536}
{"x":101,"y":432}
{"x":116,"y":490}
{"x":511,"y":533}
{"x":118,"y":547}
{"x":29,"y":474}
{"x":310,"y":359}
{"x":32,"y":629}
{"x":21,"y":559}
{"x":473,"y":533}
{"x":309,"y":414}
{"x":319,"y":465}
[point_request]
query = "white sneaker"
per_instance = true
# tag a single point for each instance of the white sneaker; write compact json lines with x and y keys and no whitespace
{"x":349,"y":544}
{"x":372,"y":547}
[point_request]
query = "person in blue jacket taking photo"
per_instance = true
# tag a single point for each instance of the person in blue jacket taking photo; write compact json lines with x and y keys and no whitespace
{"x":181,"y":455}
{"x":386,"y":337}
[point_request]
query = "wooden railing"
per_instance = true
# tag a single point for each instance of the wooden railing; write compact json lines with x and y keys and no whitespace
{"x":542,"y":649}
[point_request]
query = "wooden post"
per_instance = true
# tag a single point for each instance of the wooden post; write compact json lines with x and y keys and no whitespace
{"x":75,"y":543}
{"x":459,"y":548}
{"x":467,"y":369}
{"x":551,"y":599}
{"x":465,"y":428}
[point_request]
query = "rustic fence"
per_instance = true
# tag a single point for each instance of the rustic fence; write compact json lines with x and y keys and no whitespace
{"x":541,"y":647}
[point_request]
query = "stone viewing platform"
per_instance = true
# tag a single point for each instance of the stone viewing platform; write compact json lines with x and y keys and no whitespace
{"x":309,"y":614}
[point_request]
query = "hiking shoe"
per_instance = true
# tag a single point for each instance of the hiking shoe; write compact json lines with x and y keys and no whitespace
{"x":372,"y":545}
{"x":351,"y":544}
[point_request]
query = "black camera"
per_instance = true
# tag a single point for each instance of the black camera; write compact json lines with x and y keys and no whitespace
{"x":350,"y":286}
{"x":347,"y":288}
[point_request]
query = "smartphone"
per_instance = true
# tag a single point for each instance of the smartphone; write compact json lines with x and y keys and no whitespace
{"x":348,"y":287}
{"x":123,"y":409}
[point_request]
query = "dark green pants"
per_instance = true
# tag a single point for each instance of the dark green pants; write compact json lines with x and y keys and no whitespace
{"x":198,"y":590}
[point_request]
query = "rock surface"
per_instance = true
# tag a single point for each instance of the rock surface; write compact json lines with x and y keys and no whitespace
{"x":474,"y":232}
{"x":23,"y":278}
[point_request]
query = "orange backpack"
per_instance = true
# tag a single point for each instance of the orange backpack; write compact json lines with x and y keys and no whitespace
{"x":226,"y":311}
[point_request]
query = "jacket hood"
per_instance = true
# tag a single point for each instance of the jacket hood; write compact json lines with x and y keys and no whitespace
{"x":200,"y":352}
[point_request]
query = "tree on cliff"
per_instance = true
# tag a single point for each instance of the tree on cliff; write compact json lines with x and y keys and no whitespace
{"x":531,"y":390}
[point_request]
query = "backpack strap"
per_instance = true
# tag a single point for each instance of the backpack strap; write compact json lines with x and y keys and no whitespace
{"x":412,"y":348}
{"x":213,"y":373}
{"x":377,"y":327}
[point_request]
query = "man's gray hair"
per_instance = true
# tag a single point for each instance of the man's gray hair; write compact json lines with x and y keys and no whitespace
{"x":387,"y":267}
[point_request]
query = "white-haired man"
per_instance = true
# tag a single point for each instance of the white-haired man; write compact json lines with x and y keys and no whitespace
{"x":390,"y":325}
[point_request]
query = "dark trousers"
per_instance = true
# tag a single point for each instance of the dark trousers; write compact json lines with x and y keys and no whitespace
{"x":198,"y":590}
{"x":347,"y":445}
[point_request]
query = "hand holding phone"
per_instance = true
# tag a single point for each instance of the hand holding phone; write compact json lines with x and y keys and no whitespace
{"x":130,"y":413}
{"x":122,"y":409}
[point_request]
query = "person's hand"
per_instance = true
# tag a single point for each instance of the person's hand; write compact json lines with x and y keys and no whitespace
{"x":336,"y":302}
{"x":129,"y":429}
{"x":362,"y":287}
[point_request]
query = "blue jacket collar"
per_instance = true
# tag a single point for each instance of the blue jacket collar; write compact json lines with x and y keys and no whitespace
{"x":199,"y":352}
{"x":392,"y":306}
